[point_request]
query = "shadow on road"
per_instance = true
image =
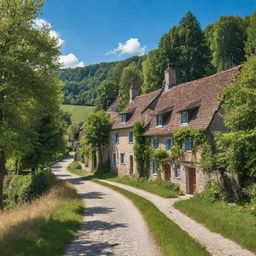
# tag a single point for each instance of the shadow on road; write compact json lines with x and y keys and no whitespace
{"x":91,"y":211}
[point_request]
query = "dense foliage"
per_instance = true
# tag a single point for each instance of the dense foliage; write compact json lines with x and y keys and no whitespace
{"x":96,"y":133}
{"x":80,"y":84}
{"x":238,"y":148}
{"x":30,"y":117}
{"x":142,"y":150}
{"x":24,"y":188}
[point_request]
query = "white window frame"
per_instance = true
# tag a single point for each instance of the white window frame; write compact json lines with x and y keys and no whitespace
{"x":168,"y":138}
{"x":188,"y":144}
{"x":129,"y":137}
{"x":154,"y":167}
{"x":114,"y":157}
{"x":124,"y":118}
{"x":176,"y":171}
{"x":159,"y":120}
{"x":116,"y":138}
{"x":153,"y":142}
{"x":181,"y":121}
{"x":122,"y":154}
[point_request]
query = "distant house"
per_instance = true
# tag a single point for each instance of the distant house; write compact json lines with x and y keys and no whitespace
{"x":193,"y":104}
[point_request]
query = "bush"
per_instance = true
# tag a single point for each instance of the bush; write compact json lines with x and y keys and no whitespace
{"x":75,"y":165}
{"x":253,"y":194}
{"x":24,"y":188}
{"x":211,"y":192}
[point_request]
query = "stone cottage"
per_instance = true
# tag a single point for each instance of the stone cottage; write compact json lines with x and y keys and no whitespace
{"x":193,"y":104}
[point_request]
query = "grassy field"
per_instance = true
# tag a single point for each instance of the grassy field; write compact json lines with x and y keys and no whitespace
{"x":159,"y":187}
{"x":79,"y":113}
{"x":229,"y":221}
{"x":44,"y":226}
{"x":169,"y":236}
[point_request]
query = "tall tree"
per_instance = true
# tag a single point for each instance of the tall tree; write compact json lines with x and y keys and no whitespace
{"x":152,"y":69}
{"x":250,"y":46}
{"x":96,"y":133}
{"x":27,"y":74}
{"x":185,"y":48}
{"x":130,"y":75}
{"x":228,"y":42}
{"x":106,"y":94}
{"x":194,"y":53}
{"x":238,"y":147}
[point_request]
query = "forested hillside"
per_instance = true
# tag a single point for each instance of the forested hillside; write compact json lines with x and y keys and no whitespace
{"x":80,"y":83}
{"x":193,"y":52}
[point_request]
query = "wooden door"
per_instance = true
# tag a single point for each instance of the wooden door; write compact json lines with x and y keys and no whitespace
{"x":167,"y":171}
{"x":131,"y":164}
{"x":192,"y":180}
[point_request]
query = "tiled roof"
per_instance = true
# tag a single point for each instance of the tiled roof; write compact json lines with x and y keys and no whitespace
{"x":202,"y":94}
{"x":139,"y":108}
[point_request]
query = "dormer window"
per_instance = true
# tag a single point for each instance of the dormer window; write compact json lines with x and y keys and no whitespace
{"x":184,"y":118}
{"x":125,"y":117}
{"x":154,"y":142}
{"x":159,"y":120}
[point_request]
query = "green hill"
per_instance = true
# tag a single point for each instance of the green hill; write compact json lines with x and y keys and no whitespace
{"x":78,"y":113}
{"x":80,"y":83}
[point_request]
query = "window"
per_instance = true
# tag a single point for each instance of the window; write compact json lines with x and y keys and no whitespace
{"x":115,"y":137}
{"x":159,"y":120}
{"x":187,"y":144}
{"x":114,"y":159}
{"x":176,"y":171}
{"x":168,"y":143}
{"x":184,"y":117}
{"x":154,"y":143}
{"x":154,"y":167}
{"x":121,"y":158}
{"x":130,"y":136}
{"x":124,"y":118}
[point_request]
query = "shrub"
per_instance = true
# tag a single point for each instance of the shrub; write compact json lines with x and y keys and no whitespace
{"x":253,"y":194}
{"x":211,"y":192}
{"x":23,"y":188}
{"x":75,"y":165}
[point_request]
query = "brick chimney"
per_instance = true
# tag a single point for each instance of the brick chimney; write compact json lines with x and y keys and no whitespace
{"x":169,"y":78}
{"x":134,"y":91}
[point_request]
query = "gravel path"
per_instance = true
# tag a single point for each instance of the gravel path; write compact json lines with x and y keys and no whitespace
{"x":215,"y":243}
{"x":112,"y":225}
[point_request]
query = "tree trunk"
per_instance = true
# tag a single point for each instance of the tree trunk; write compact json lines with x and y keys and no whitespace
{"x":2,"y":174}
{"x":99,"y":159}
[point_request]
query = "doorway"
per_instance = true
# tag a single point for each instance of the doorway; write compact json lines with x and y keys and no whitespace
{"x":192,"y":180}
{"x":167,"y":171}
{"x":131,"y":164}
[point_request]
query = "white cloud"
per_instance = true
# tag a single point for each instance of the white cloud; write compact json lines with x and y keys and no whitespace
{"x":39,"y":23}
{"x":131,"y":46}
{"x":67,"y":61}
{"x":70,"y":61}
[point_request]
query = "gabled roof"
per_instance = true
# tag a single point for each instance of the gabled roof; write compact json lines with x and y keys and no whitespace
{"x":202,"y":94}
{"x":139,"y":108}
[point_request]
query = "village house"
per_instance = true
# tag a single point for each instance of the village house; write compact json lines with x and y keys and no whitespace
{"x":193,"y":104}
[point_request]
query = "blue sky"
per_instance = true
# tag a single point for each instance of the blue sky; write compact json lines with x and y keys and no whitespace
{"x":96,"y":31}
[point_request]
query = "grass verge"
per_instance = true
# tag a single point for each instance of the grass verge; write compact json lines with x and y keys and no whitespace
{"x":76,"y":169}
{"x":169,"y":236}
{"x":44,"y":226}
{"x":218,"y":217}
{"x":158,"y":187}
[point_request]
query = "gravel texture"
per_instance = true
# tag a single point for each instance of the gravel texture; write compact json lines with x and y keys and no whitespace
{"x":112,"y":225}
{"x":215,"y":243}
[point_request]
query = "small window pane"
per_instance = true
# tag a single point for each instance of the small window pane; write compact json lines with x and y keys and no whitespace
{"x":184,"y":117}
{"x":154,"y":143}
{"x":169,"y":143}
{"x":176,"y":170}
{"x":159,"y":120}
{"x":121,"y":158}
{"x":130,"y":136}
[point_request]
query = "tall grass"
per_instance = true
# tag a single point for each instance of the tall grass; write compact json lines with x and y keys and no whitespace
{"x":160,"y":187}
{"x":170,"y":237}
{"x":231,"y":222}
{"x":42,"y":227}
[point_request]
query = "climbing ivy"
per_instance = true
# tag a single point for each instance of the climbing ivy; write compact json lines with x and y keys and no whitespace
{"x":180,"y":136}
{"x":142,"y":150}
